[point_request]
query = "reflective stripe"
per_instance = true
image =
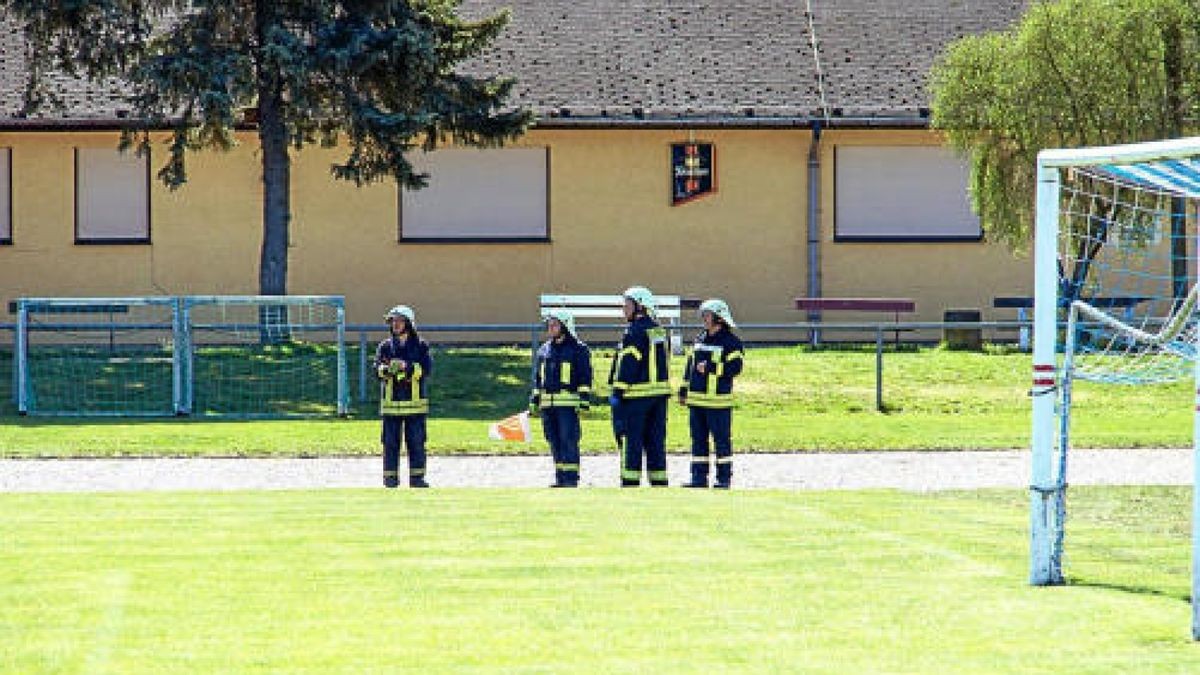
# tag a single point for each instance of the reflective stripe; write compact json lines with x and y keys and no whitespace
{"x":644,"y":389}
{"x":585,"y":389}
{"x":567,"y":467}
{"x":416,"y":472}
{"x":631,"y":474}
{"x":732,"y":356}
{"x":417,"y":374}
{"x":417,"y":407}
{"x":542,"y":372}
{"x":632,"y":351}
{"x":724,"y":460}
{"x":389,"y":474}
{"x":712,"y":384}
{"x":699,"y":460}
{"x":658,"y":475}
{"x":561,"y":400}
{"x":706,"y":400}
{"x":564,"y":373}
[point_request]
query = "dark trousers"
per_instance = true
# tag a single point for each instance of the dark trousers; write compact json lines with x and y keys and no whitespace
{"x":717,"y":423}
{"x":412,"y":429}
{"x":561,"y":427}
{"x":645,"y":424}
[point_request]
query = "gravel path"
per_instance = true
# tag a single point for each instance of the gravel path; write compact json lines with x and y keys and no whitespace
{"x":915,"y":471}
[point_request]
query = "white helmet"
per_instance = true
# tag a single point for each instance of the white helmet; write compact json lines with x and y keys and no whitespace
{"x":563,"y":316}
{"x":720,"y":309}
{"x":643,"y":297}
{"x":401,"y":310}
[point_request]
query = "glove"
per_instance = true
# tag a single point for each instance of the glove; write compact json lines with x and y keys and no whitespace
{"x":614,"y":400}
{"x":585,"y":401}
{"x":384,"y":372}
{"x":395,"y":368}
{"x":535,"y":401}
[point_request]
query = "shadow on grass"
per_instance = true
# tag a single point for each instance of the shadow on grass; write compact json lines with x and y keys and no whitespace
{"x":1134,"y":589}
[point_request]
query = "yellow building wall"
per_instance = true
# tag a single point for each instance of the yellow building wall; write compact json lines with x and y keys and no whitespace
{"x":937,"y":275}
{"x":611,"y":223}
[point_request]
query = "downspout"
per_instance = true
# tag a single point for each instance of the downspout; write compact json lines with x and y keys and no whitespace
{"x":813,"y":287}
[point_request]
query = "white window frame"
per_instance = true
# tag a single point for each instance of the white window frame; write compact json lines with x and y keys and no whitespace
{"x":81,"y":178}
{"x":850,"y":232}
{"x":6,"y":196}
{"x":409,"y":205}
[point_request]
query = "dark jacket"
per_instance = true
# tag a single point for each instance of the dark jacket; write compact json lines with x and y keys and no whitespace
{"x":641,"y":365}
{"x":404,"y":392}
{"x":723,"y":353}
{"x":563,"y":373}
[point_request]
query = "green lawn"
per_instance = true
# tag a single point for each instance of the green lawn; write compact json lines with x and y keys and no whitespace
{"x":592,"y":581}
{"x":791,"y":398}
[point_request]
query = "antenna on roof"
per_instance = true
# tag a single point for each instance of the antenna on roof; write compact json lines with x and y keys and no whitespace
{"x":812,"y":41}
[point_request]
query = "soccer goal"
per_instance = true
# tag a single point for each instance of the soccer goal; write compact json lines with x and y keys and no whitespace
{"x":215,"y":356}
{"x":1115,"y":302}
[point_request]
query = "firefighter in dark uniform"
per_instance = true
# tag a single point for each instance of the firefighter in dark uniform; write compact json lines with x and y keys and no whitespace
{"x":403,"y":365}
{"x":640,"y":391}
{"x":562,"y":387}
{"x":715,"y":360}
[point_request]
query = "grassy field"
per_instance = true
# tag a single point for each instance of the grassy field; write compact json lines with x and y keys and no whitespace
{"x":791,"y":398}
{"x":594,"y":581}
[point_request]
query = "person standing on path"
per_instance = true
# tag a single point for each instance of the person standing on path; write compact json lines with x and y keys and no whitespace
{"x":403,"y":365}
{"x":640,"y":391}
{"x":562,"y":387}
{"x":707,"y":391}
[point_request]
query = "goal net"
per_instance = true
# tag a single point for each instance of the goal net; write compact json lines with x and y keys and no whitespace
{"x":222,"y":356}
{"x":1115,"y":299}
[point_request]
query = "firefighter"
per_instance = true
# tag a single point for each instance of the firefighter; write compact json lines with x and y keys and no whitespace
{"x":562,"y":387}
{"x":640,"y":391}
{"x":707,"y":391}
{"x":403,"y":365}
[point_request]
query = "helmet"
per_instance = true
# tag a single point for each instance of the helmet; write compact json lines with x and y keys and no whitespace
{"x":401,"y":310}
{"x":642,"y":296}
{"x":720,"y":309}
{"x":565,"y":317}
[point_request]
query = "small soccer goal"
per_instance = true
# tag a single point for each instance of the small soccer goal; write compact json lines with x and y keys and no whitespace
{"x":1115,"y":303}
{"x":212,"y":356}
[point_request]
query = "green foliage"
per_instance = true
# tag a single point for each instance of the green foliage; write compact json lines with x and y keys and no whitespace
{"x":1072,"y":73}
{"x":524,"y":581}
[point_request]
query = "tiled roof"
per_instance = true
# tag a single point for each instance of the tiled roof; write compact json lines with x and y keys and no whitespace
{"x":666,"y":59}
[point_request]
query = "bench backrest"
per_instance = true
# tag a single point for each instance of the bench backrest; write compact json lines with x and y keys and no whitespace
{"x":608,"y":306}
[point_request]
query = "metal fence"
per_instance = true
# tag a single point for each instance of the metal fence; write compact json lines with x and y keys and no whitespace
{"x":361,"y":340}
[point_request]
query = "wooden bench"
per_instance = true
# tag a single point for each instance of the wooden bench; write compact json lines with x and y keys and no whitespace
{"x":1023,"y":304}
{"x":895,"y":306}
{"x":669,"y":310}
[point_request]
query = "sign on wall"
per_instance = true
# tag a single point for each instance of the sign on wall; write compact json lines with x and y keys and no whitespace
{"x":693,"y":171}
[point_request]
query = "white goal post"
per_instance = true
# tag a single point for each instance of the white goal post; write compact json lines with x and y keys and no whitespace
{"x":1111,"y":223}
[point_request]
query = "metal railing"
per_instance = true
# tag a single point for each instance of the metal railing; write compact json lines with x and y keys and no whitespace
{"x":803,"y":332}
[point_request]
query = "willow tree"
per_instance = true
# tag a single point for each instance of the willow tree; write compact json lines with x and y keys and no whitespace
{"x":1072,"y":73}
{"x":379,"y":76}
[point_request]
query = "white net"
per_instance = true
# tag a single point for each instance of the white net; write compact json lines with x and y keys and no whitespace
{"x":1126,"y":279}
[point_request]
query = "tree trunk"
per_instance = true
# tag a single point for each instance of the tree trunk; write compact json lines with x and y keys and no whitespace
{"x":276,"y":178}
{"x":277,"y":207}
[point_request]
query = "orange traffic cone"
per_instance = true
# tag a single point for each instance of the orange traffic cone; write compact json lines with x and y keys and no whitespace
{"x":513,"y":428}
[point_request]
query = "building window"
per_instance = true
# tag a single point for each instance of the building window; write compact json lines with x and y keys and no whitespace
{"x":479,"y":195}
{"x":913,"y":193}
{"x":5,"y":195}
{"x":112,"y":197}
